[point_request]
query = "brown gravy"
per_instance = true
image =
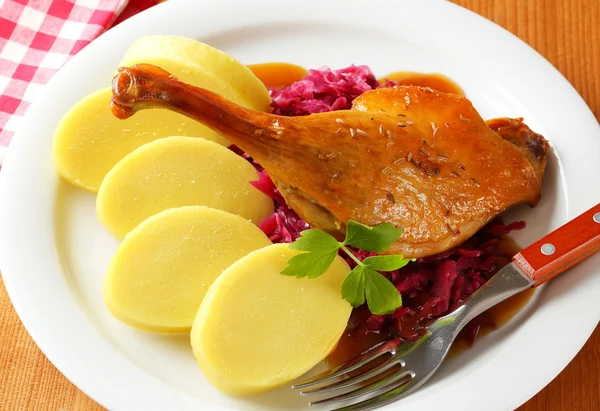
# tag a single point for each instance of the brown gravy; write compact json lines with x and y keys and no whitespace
{"x":437,"y":82}
{"x":280,"y":75}
{"x":500,"y":315}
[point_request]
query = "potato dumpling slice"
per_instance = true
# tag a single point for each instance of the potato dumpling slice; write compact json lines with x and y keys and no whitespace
{"x":90,"y":140}
{"x":174,"y":172}
{"x":159,"y":275}
{"x":258,"y":329}
{"x":181,"y":56}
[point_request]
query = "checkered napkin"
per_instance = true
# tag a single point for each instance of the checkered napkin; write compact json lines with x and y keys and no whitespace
{"x":36,"y":38}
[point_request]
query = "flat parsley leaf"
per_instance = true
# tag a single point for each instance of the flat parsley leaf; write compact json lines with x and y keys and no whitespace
{"x":315,"y":240}
{"x":382,"y":296}
{"x":378,"y":238}
{"x":322,"y":249}
{"x":385,"y":262}
{"x":311,"y":264}
{"x":363,"y":283}
{"x":353,"y":287}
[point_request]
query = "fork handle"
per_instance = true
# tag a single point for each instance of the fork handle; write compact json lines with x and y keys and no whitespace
{"x":561,"y":249}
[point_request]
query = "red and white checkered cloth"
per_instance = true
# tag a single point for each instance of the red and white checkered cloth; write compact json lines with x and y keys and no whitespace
{"x":37,"y":37}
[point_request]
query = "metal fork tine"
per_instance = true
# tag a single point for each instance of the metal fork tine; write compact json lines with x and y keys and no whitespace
{"x":393,"y":394}
{"x":386,"y":365}
{"x":369,"y":389}
{"x":350,"y":365}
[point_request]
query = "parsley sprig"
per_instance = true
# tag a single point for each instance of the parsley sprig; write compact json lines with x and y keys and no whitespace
{"x":364,"y":282}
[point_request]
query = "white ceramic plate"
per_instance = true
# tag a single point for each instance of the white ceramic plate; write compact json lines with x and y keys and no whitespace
{"x":54,"y":253}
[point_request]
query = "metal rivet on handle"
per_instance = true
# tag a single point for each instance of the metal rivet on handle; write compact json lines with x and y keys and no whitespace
{"x":597,"y":218}
{"x":548,"y":249}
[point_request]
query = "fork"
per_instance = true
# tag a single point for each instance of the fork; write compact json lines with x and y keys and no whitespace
{"x":400,"y":368}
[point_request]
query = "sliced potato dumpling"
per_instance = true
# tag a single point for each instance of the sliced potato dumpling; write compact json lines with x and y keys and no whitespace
{"x":163,"y":268}
{"x":258,"y":329}
{"x":183,"y":56}
{"x":90,"y":140}
{"x":174,"y":172}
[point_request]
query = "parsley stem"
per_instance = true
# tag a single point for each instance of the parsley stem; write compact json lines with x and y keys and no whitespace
{"x":350,"y":254}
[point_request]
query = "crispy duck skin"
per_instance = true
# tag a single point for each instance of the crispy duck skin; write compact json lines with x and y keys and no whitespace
{"x":420,"y":159}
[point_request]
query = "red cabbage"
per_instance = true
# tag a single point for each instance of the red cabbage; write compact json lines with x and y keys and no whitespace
{"x":323,"y":90}
{"x":435,"y":286}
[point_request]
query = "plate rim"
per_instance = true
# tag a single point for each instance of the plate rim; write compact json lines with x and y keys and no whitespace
{"x":11,"y":280}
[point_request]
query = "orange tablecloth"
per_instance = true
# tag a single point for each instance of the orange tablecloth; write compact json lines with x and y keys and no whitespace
{"x":566,"y":32}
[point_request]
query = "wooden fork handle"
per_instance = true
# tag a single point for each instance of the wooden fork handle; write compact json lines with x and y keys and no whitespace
{"x":564,"y":247}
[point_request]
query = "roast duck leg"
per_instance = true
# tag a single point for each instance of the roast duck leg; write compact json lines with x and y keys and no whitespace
{"x":420,"y":159}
